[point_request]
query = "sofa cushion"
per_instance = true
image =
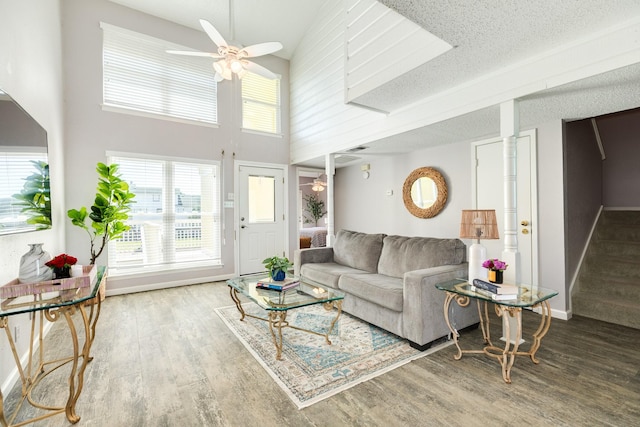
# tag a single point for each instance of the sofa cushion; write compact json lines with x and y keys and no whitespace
{"x":326,"y":273}
{"x":401,"y":254}
{"x":358,"y":250}
{"x":376,"y":288}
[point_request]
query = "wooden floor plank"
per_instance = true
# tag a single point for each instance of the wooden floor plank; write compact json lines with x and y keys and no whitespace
{"x":164,"y":358}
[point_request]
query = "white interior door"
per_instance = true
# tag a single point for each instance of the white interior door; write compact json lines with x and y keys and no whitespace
{"x":261,"y":220}
{"x":489,"y":190}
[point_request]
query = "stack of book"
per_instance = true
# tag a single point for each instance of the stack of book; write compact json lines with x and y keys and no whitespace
{"x":497,"y":292}
{"x":282,"y":285}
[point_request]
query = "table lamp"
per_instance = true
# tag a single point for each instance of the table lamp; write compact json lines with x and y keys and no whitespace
{"x":478,"y":224}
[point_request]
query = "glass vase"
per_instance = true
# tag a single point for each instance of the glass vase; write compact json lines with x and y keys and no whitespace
{"x":32,"y":265}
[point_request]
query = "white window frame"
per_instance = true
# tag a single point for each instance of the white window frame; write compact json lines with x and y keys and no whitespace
{"x":261,"y":100}
{"x":169,"y":219}
{"x":141,"y":78}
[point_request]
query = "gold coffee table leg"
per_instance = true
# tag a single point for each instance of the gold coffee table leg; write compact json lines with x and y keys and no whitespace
{"x":329,"y":306}
{"x":234,"y":296}
{"x":277,"y":320}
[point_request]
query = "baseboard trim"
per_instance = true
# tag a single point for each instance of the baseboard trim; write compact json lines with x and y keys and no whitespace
{"x":165,"y":285}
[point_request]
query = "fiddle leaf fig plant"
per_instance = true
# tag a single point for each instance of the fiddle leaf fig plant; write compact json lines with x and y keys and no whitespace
{"x":109,"y":210}
{"x":35,"y":197}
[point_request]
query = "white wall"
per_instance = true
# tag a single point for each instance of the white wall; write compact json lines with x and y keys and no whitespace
{"x":91,"y":132}
{"x":551,"y":193}
{"x":31,"y":72}
{"x":363,"y":204}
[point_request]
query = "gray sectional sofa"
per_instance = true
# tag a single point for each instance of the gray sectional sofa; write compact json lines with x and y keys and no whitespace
{"x":389,"y":281}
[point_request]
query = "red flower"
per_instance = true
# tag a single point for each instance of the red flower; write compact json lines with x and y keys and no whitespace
{"x":62,"y":261}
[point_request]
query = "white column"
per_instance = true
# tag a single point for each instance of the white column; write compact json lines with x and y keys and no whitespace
{"x":509,"y":124}
{"x":330,"y":170}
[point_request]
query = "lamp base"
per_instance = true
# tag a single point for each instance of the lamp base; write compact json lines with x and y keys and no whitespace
{"x":477,"y":255}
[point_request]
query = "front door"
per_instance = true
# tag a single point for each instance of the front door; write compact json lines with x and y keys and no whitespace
{"x":489,"y":193}
{"x":261,"y":220}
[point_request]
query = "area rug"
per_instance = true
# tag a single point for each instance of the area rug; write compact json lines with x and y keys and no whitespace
{"x":312,"y":370}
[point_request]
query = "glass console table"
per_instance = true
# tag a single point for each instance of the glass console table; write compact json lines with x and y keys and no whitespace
{"x":52,"y":300}
{"x":528,"y":297}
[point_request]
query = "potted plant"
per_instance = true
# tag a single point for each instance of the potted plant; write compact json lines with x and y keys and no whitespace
{"x":315,"y":208}
{"x":61,"y":265}
{"x":496,"y":268}
{"x":277,"y":267}
{"x":108,"y":212}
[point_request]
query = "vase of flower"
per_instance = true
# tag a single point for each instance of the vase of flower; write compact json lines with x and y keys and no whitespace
{"x":33,"y":265}
{"x":495,"y":276}
{"x":62,"y":273}
{"x":61,"y":266}
{"x":495,"y":269}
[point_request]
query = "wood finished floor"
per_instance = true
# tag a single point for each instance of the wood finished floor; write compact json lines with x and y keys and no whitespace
{"x":164,"y":358}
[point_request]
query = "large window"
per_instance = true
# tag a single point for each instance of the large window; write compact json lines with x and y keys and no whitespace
{"x":175,"y":220}
{"x":140,"y":76}
{"x":261,"y":104}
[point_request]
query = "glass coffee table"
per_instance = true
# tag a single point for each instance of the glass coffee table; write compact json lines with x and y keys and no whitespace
{"x":528,"y":297}
{"x":276,"y":304}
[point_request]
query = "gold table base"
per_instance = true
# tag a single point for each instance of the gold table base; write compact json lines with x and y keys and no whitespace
{"x":31,"y":377}
{"x":278,"y":319}
{"x":504,"y":355}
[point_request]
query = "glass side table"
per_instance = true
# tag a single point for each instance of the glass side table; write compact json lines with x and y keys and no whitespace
{"x":528,"y":297}
{"x":52,"y":300}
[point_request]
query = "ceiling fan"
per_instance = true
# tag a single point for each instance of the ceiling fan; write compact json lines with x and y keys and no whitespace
{"x":316,"y":185}
{"x":233,"y":59}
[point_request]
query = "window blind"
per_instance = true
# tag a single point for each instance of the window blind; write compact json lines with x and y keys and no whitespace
{"x":261,"y":103}
{"x":15,"y":166}
{"x":139,"y":75}
{"x":175,"y":220}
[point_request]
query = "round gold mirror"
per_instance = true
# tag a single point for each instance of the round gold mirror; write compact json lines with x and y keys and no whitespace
{"x":424,"y":192}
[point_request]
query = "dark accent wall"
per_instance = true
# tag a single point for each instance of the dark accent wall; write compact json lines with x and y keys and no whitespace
{"x":583,"y":188}
{"x":620,"y":134}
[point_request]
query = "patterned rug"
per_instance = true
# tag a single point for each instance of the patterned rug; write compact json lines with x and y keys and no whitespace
{"x":310,"y":369}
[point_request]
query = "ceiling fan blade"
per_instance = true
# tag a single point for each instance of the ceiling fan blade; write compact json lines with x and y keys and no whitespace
{"x":213,"y":34}
{"x":261,"y":49}
{"x":258,"y":69}
{"x":194,"y":53}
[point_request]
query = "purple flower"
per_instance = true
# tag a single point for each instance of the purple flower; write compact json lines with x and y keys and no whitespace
{"x":495,"y":264}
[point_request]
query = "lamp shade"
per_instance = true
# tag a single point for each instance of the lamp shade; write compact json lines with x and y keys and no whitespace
{"x":479,"y":224}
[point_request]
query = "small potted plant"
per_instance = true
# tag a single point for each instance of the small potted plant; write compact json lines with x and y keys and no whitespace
{"x":61,"y":266}
{"x":495,"y":267}
{"x":277,"y":267}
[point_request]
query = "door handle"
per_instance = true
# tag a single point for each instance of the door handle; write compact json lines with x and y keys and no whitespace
{"x":243,"y":226}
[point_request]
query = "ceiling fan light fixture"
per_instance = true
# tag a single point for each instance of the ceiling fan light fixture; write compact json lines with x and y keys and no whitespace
{"x":233,"y":58}
{"x":317,"y":187}
{"x":236,"y":66}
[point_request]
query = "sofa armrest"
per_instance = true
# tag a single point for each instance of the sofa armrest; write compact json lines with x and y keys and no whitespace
{"x":423,"y":304}
{"x":311,"y":255}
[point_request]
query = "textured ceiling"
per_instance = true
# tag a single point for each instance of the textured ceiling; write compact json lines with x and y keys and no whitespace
{"x":491,"y":35}
{"x":488,"y":35}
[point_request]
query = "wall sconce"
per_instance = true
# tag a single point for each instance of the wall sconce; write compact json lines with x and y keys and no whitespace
{"x":365,"y":170}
